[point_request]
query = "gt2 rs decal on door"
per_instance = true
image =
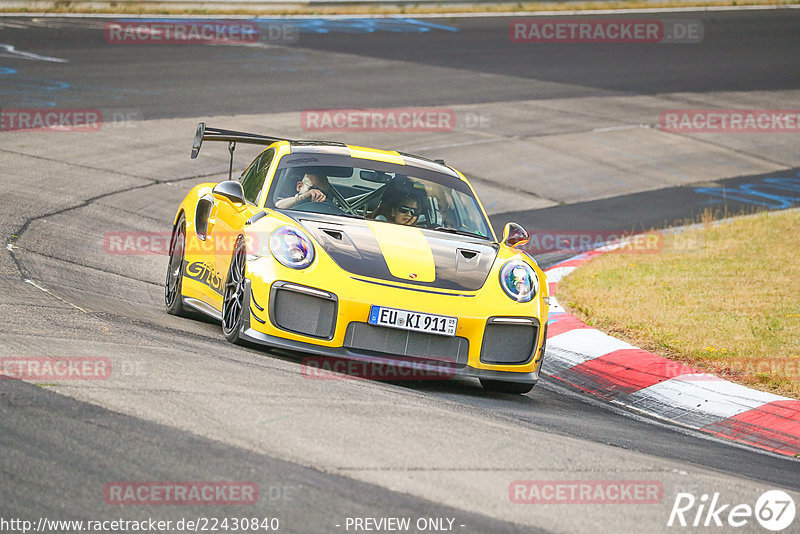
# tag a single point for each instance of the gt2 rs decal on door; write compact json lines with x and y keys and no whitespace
{"x":205,"y":274}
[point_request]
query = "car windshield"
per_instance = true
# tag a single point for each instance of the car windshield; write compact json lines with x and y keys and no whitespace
{"x":367,"y":189}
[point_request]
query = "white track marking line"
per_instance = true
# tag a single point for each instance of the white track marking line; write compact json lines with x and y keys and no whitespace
{"x":12,"y":52}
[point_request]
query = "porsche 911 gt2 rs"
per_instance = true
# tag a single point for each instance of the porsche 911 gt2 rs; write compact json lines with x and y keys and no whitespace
{"x":359,"y":253}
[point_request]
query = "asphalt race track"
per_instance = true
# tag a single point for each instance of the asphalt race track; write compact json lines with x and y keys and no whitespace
{"x":558,"y":137}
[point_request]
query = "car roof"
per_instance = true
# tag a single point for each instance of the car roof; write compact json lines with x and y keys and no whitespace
{"x":375,"y":154}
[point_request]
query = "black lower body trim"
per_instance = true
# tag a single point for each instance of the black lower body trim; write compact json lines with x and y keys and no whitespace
{"x":260,"y":338}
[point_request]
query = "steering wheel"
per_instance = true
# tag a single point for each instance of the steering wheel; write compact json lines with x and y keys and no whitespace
{"x":319,"y":207}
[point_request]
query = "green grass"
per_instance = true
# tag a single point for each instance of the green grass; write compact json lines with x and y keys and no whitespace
{"x":723,"y":298}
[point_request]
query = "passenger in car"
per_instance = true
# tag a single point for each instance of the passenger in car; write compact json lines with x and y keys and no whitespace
{"x":401,"y":202}
{"x":397,"y":209}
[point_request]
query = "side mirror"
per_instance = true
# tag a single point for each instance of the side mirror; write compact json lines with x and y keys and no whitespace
{"x":514,"y":234}
{"x":230,"y":190}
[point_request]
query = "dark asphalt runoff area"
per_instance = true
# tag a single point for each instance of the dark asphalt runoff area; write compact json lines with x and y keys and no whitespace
{"x":741,"y":51}
{"x":58,"y":452}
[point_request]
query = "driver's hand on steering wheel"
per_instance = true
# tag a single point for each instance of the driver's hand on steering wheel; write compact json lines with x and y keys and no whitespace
{"x":316,"y":195}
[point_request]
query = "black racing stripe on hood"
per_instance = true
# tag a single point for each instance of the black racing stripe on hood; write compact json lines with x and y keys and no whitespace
{"x":461,"y":263}
{"x":352,"y":246}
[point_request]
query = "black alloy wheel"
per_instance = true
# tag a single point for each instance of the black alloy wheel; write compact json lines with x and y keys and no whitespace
{"x":172,"y":286}
{"x":233,"y":300}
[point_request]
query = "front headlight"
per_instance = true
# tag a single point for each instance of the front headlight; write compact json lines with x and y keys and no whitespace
{"x":291,"y":247}
{"x":519,"y":281}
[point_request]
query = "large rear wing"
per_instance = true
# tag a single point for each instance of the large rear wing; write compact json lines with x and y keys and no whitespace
{"x":207,"y":133}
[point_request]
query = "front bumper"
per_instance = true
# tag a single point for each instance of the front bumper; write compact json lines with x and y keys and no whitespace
{"x":262,"y":326}
{"x":429,"y":368}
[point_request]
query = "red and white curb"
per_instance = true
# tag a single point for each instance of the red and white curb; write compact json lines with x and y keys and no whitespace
{"x":647,"y":383}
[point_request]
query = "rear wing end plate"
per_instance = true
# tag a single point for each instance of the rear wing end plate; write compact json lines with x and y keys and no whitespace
{"x":207,"y":133}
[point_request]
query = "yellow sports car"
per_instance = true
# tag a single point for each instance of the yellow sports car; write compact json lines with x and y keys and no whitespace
{"x":369,"y":255}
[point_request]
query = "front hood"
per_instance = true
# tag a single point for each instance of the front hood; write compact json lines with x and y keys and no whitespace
{"x":405,"y":254}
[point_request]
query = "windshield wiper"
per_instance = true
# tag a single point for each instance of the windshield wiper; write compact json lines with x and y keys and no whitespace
{"x":451,"y":230}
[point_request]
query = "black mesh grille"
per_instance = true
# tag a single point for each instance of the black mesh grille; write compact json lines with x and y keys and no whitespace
{"x":392,"y":341}
{"x":303,"y":314}
{"x":508,"y":343}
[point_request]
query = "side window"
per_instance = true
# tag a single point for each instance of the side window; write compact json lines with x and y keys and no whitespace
{"x":253,"y":179}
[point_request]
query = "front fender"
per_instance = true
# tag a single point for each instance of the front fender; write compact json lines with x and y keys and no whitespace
{"x":189,"y":202}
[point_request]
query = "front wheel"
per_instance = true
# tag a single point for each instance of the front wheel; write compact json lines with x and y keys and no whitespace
{"x":172,"y":286}
{"x":233,"y":299}
{"x":500,"y":386}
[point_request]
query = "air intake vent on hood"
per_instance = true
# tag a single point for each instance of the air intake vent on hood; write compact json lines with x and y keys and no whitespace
{"x":467,"y":260}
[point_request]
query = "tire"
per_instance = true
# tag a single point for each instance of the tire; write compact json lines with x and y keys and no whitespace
{"x":233,"y":304}
{"x":173,"y":299}
{"x":499,"y":386}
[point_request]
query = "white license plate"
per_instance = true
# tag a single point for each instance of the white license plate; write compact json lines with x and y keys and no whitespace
{"x":416,"y":321}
